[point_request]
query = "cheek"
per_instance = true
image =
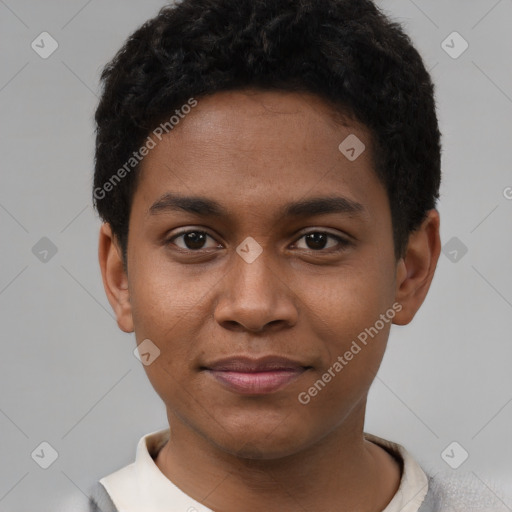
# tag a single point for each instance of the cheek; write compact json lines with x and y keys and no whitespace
{"x":162,"y":295}
{"x":345,"y":312}
{"x":165,"y":309}
{"x":345,"y":303}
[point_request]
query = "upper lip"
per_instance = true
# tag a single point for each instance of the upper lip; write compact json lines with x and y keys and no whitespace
{"x":248,"y":364}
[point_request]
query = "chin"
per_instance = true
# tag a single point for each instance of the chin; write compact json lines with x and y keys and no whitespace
{"x":264,"y":444}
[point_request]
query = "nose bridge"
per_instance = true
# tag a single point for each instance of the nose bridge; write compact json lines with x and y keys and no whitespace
{"x":253,"y":273}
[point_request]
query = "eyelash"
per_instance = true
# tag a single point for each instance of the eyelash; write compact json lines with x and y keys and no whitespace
{"x":342,"y":242}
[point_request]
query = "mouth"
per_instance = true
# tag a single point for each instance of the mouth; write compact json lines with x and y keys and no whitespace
{"x":249,"y":376}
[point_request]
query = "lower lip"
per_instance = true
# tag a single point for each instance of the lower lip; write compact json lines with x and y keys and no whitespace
{"x":256,"y":383}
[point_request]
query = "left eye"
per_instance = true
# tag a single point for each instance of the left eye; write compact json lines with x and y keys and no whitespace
{"x":317,"y":240}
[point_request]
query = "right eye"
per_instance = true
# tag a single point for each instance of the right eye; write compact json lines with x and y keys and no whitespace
{"x":191,"y":240}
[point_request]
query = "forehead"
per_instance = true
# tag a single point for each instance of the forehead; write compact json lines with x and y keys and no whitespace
{"x":249,"y":116}
{"x":255,"y":146}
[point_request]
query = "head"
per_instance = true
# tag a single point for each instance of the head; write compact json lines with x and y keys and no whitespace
{"x":267,"y":174}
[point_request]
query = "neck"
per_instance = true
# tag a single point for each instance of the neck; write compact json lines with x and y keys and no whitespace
{"x":342,"y":471}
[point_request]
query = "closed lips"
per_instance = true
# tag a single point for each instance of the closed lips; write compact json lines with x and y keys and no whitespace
{"x":246,"y":376}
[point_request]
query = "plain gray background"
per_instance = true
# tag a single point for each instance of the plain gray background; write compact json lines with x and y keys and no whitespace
{"x":68,"y":374}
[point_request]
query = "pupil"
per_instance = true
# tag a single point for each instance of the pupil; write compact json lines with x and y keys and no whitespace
{"x":194,"y":240}
{"x":317,"y":239}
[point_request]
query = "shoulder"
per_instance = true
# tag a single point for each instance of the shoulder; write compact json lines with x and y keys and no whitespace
{"x":449,"y":493}
{"x":428,"y":489}
{"x":100,"y":501}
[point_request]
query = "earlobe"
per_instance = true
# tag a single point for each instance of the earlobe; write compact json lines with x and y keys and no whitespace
{"x":416,"y":269}
{"x":115,"y":279}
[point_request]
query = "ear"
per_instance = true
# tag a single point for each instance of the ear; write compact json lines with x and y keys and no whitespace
{"x":115,"y":279}
{"x":416,"y":268}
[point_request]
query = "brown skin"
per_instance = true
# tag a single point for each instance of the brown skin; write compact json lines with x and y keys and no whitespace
{"x":252,"y":152}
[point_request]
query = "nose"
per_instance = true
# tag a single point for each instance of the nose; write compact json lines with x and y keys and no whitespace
{"x":255,"y":297}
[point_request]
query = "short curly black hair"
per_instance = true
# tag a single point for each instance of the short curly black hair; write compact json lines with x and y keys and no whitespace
{"x":347,"y":52}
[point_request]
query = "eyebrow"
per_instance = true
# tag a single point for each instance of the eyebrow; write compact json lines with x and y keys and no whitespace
{"x":209,"y":208}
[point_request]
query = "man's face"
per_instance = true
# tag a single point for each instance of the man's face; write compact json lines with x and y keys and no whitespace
{"x":323,"y":275}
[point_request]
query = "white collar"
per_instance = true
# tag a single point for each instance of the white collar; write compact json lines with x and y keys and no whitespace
{"x":141,"y":486}
{"x":414,"y":483}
